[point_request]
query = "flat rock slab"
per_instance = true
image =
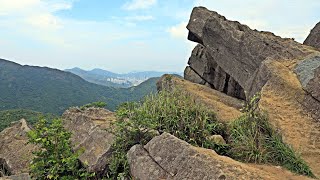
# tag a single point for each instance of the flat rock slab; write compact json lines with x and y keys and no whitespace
{"x":15,"y":152}
{"x":167,"y":157}
{"x":88,"y":128}
{"x":23,"y":176}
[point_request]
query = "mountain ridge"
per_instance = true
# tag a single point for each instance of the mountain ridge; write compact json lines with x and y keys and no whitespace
{"x":52,"y":91}
{"x":118,"y":80}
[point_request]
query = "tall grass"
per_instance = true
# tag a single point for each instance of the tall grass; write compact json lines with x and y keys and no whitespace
{"x":175,"y":112}
{"x":253,"y":139}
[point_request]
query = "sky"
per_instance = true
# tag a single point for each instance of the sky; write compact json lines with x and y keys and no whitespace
{"x":131,"y":35}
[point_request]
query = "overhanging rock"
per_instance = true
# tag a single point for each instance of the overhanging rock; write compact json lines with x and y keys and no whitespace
{"x":230,"y":54}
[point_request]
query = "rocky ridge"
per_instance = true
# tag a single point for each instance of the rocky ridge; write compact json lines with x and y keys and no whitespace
{"x":313,"y":38}
{"x":240,"y":62}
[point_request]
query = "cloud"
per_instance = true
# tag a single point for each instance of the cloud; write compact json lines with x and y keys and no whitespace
{"x":36,"y":20}
{"x":35,"y":13}
{"x":179,"y":30}
{"x":139,"y":18}
{"x":139,"y":4}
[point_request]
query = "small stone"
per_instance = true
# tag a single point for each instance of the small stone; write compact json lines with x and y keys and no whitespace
{"x":218,"y":139}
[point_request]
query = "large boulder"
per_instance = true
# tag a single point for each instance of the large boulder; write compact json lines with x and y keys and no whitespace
{"x":285,"y":73}
{"x":15,"y":152}
{"x":313,"y":38}
{"x":89,"y":132}
{"x":167,"y":157}
{"x":230,"y":54}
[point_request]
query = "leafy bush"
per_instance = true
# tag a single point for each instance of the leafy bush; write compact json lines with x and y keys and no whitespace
{"x":98,"y":104}
{"x":54,"y":159}
{"x":253,"y":139}
{"x":174,"y":112}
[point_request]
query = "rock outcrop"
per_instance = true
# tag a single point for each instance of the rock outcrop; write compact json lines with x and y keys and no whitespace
{"x":15,"y":152}
{"x":167,"y":157}
{"x":23,"y":176}
{"x":226,"y":107}
{"x":229,"y":54}
{"x":89,"y":132}
{"x":308,"y":72}
{"x":313,"y":38}
{"x":240,"y":62}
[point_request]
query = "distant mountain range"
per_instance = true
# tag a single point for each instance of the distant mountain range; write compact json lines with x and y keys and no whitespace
{"x":111,"y":79}
{"x":50,"y":90}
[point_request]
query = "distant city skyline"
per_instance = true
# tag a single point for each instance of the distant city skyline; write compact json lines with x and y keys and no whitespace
{"x":130,"y":35}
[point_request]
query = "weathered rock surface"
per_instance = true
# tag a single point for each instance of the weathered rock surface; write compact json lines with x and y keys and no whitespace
{"x":15,"y":152}
{"x":285,"y":72}
{"x":230,"y":54}
{"x":226,"y":107}
{"x":23,"y":176}
{"x":167,"y":157}
{"x":209,"y":73}
{"x":308,"y":72}
{"x":88,"y":128}
{"x":313,"y":38}
{"x":283,"y":98}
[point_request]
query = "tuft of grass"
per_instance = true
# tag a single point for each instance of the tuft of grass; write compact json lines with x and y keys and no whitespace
{"x":253,"y":139}
{"x":173,"y":111}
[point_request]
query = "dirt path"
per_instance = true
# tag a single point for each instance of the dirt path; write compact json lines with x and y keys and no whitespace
{"x":281,"y":97}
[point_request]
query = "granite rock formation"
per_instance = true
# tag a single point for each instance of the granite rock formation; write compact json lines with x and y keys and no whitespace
{"x":167,"y":157}
{"x":313,"y":38}
{"x":15,"y":152}
{"x":229,"y":54}
{"x":88,"y":128}
{"x":240,"y":62}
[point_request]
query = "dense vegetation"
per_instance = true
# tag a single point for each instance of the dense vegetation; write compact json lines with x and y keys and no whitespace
{"x":54,"y":159}
{"x":9,"y":116}
{"x":250,"y":138}
{"x":52,"y":91}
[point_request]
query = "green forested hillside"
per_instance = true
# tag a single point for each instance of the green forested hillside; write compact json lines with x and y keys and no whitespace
{"x":52,"y":91}
{"x":9,"y":116}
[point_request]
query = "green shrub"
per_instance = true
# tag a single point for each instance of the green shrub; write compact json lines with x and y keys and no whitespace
{"x":54,"y":159}
{"x":98,"y":104}
{"x":174,"y":112}
{"x":253,"y":139}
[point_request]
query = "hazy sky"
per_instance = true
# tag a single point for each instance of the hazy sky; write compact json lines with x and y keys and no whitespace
{"x":128,"y":35}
